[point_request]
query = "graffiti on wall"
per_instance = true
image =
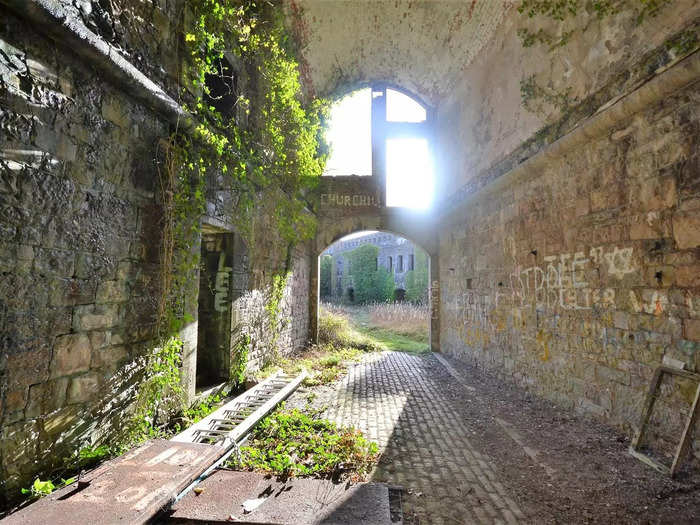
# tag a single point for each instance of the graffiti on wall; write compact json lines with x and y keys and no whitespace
{"x":562,"y":282}
{"x":354,"y":200}
{"x":435,"y":300}
{"x":221,"y":284}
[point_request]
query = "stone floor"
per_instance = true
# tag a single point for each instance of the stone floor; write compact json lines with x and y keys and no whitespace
{"x":469,"y":447}
{"x":401,"y":402}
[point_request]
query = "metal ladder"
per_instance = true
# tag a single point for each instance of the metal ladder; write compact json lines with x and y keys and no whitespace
{"x":229,"y":424}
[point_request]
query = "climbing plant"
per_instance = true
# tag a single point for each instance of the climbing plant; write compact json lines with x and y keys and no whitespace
{"x":560,"y":11}
{"x":253,"y":132}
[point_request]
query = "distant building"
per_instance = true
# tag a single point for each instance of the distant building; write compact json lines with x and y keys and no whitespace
{"x":396,"y":254}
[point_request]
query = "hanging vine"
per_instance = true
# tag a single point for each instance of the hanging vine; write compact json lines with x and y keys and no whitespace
{"x":255,"y":135}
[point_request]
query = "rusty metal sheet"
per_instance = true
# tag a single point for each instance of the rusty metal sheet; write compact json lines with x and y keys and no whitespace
{"x":127,"y":490}
{"x":298,"y":501}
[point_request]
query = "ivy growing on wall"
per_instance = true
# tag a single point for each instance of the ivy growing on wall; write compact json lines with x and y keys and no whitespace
{"x":560,"y":11}
{"x":254,"y":131}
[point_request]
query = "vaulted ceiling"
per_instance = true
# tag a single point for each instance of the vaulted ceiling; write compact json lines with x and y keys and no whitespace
{"x":422,"y":46}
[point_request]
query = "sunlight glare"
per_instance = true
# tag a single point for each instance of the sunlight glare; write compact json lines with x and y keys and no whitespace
{"x":402,"y":108}
{"x":409,"y":173}
{"x":350,"y":135}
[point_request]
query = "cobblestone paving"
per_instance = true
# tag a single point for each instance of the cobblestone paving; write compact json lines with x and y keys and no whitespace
{"x":402,"y":402}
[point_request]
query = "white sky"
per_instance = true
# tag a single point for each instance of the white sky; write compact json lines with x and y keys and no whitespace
{"x":409,"y":169}
{"x":350,"y":135}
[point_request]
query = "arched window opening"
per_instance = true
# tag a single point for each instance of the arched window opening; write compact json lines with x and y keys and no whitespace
{"x":384,"y":133}
{"x":402,"y":108}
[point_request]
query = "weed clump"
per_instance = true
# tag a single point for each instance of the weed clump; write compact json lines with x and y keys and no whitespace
{"x":297,"y":444}
{"x":335,"y":329}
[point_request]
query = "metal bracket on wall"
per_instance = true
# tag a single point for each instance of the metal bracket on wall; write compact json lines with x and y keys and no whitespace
{"x":652,"y":394}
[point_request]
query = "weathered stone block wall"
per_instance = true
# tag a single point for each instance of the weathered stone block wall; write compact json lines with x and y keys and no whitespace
{"x":579,"y":280}
{"x":145,"y":32}
{"x":78,"y":250}
{"x":490,"y":122}
{"x":80,"y":238}
{"x":251,"y":316}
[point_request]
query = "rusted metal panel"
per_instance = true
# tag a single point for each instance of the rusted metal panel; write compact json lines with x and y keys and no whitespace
{"x":220,"y":499}
{"x":129,"y":489}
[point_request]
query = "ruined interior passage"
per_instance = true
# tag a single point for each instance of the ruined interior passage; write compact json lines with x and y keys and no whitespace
{"x":349,"y":262}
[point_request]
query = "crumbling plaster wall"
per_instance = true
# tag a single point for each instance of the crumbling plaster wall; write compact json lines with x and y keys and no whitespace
{"x":422,"y":46}
{"x":79,"y":247}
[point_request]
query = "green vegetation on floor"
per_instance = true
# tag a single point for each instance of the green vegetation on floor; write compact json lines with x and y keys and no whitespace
{"x":295,"y":443}
{"x":400,"y":327}
{"x":393,"y":341}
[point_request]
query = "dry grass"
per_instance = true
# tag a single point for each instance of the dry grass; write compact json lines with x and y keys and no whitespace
{"x":384,"y":319}
{"x":406,"y":319}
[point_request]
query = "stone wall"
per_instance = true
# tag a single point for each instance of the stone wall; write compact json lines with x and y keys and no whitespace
{"x":78,"y":250}
{"x":80,"y":234}
{"x":580,"y":278}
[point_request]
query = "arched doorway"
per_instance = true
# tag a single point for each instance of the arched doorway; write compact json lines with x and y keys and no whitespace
{"x":341,"y":285}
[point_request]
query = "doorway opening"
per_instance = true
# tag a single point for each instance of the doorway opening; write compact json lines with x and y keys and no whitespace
{"x":386,"y":288}
{"x":214,"y":310}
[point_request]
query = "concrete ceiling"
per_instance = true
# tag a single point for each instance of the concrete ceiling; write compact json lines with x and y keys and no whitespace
{"x":422,"y":46}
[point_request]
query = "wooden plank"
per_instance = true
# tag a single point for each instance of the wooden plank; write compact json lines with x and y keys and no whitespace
{"x":685,"y":438}
{"x":648,"y":406}
{"x":646,"y":459}
{"x":649,"y":402}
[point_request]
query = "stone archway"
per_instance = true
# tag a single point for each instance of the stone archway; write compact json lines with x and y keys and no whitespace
{"x":352,"y":204}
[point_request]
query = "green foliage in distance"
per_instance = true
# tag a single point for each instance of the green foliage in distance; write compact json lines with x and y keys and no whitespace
{"x":418,"y":278}
{"x":294,"y":443}
{"x":325,"y":280}
{"x":371,"y":282}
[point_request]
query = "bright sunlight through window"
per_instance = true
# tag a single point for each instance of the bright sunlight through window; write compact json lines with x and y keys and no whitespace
{"x":402,"y":108}
{"x":350,"y":135}
{"x":402,"y":136}
{"x":409,"y":173}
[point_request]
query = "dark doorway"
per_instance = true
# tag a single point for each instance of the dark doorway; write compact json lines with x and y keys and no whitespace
{"x":214,"y":328}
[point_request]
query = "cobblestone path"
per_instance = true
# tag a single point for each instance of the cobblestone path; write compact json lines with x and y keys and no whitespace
{"x":402,"y":402}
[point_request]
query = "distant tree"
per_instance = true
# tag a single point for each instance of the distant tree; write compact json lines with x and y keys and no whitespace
{"x":417,"y":279}
{"x":325,"y":277}
{"x":369,"y":283}
{"x":384,"y":283}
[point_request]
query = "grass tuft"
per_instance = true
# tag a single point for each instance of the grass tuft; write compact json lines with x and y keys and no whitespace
{"x":294,"y":443}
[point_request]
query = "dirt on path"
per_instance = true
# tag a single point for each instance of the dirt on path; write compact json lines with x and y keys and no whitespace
{"x":581,"y":471}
